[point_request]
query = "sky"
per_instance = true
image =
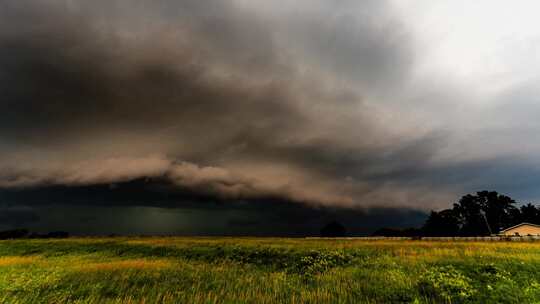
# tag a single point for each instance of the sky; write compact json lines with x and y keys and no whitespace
{"x":262,"y":117}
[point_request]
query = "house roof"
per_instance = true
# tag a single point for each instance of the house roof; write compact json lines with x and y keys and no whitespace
{"x":518,"y":225}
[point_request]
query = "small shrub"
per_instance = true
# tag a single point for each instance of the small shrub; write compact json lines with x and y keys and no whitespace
{"x":447,"y":284}
{"x":497,"y":285}
{"x":533,"y":290}
{"x":317,"y":261}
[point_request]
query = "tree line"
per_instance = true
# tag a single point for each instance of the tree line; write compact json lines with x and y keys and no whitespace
{"x":25,"y":234}
{"x":480,"y":214}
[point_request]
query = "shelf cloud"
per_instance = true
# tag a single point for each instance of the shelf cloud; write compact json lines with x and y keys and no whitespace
{"x":321,"y":103}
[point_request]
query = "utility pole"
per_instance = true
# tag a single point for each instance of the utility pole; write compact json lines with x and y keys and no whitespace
{"x":486,"y":221}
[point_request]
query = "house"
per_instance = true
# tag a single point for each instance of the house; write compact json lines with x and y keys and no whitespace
{"x":522,"y":229}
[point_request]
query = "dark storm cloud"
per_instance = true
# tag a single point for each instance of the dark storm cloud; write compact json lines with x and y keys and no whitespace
{"x":223,"y":100}
{"x":62,"y":74}
{"x":208,"y":95}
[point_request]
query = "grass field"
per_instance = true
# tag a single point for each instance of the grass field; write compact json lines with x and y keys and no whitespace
{"x":267,"y":270}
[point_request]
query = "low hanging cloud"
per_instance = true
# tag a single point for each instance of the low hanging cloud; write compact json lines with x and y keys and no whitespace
{"x":239,"y":182}
{"x":237,"y":100}
{"x":102,"y":171}
{"x":209,"y":181}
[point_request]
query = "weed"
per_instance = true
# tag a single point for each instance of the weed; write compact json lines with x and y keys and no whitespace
{"x":446,"y":284}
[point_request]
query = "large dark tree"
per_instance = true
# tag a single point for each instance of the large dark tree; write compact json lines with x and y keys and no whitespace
{"x":480,"y":214}
{"x":486,"y":212}
{"x":499,"y":210}
{"x":443,"y":223}
{"x":469,"y":214}
{"x":529,"y":214}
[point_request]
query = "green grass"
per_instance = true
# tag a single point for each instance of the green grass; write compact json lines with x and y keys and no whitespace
{"x":267,"y":270}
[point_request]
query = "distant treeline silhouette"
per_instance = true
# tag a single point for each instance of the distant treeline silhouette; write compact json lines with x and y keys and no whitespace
{"x":24,"y":233}
{"x":485,"y":213}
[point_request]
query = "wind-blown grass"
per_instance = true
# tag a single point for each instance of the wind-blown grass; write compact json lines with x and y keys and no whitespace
{"x":266,"y":270}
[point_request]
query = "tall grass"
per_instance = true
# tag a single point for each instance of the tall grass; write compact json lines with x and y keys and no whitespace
{"x":266,"y":270}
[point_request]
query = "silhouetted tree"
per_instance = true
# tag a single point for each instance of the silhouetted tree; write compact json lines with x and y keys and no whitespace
{"x":484,"y":212}
{"x":499,"y":210}
{"x":480,"y":214}
{"x":443,"y":223}
{"x":529,"y":214}
{"x":469,"y":215}
{"x":475,"y":215}
{"x":333,"y":229}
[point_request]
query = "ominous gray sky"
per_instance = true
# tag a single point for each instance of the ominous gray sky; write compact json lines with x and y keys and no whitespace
{"x":356,"y":104}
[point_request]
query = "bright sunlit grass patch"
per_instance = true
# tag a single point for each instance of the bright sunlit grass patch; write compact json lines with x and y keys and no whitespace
{"x":17,"y":260}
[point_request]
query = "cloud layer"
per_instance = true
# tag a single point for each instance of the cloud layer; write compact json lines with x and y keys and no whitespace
{"x":315,"y":102}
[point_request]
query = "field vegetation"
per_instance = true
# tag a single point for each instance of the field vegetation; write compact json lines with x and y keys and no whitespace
{"x":266,"y":270}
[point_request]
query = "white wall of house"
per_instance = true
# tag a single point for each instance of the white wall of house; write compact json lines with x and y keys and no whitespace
{"x":524,"y":229}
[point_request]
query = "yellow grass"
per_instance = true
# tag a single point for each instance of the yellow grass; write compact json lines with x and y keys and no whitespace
{"x":17,"y":260}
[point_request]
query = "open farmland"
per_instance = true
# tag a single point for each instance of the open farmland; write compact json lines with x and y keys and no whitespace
{"x":267,"y":270}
